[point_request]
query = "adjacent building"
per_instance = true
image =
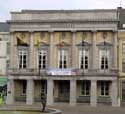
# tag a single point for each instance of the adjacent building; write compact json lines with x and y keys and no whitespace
{"x":4,"y":52}
{"x":70,"y":55}
{"x":121,"y":50}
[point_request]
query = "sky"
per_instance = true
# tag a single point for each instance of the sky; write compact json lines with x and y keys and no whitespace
{"x":6,"y":6}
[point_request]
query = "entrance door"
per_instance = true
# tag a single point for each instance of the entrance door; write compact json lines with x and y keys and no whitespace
{"x":64,"y":91}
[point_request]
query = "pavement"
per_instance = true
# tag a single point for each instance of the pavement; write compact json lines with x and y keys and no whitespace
{"x":67,"y":109}
{"x":86,"y":109}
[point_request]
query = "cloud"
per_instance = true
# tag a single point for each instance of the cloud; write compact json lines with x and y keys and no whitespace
{"x":15,"y":5}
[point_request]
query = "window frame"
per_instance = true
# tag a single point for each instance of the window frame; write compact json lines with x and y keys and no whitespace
{"x":22,"y":52}
{"x":24,"y":87}
{"x":82,"y":54}
{"x":43,"y":51}
{"x":104,"y":53}
{"x":105,"y":85}
{"x":64,"y":57}
{"x":85,"y":87}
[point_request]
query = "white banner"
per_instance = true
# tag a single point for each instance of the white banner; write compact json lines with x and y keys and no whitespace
{"x":62,"y":72}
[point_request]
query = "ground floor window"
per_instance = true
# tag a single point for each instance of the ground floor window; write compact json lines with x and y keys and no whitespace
{"x":24,"y":87}
{"x":104,"y":88}
{"x":85,"y":88}
{"x":123,"y":91}
{"x":43,"y":86}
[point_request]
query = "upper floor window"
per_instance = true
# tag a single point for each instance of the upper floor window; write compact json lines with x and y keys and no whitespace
{"x":23,"y":56}
{"x":62,"y":58}
{"x":42,"y":59}
{"x":8,"y":48}
{"x":123,"y":47}
{"x":104,"y":59}
{"x":83,"y":59}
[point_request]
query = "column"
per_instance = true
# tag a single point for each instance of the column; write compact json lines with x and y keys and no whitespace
{"x":30,"y":92}
{"x":93,"y":98}
{"x":11,"y":49}
{"x":94,"y":50}
{"x":115,"y":50}
{"x":51,"y":50}
{"x":114,"y":93}
{"x":73,"y":92}
{"x":10,"y":92}
{"x":73,"y":50}
{"x":50,"y":92}
{"x":31,"y":61}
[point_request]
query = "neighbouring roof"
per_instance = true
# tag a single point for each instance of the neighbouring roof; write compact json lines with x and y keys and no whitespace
{"x":4,"y":27}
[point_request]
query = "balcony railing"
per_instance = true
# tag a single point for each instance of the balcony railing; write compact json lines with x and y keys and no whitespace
{"x":26,"y":72}
{"x":62,"y":72}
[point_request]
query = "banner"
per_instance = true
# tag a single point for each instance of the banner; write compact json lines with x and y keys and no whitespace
{"x":62,"y":72}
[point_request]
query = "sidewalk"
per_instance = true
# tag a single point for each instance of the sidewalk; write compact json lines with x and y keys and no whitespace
{"x":85,"y":109}
{"x":67,"y":109}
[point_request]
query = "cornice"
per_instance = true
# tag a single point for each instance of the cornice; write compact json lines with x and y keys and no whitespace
{"x":64,"y":11}
{"x":64,"y":21}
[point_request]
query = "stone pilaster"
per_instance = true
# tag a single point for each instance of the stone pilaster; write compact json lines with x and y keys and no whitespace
{"x":93,"y":98}
{"x":114,"y":93}
{"x":10,"y":92}
{"x":115,"y":42}
{"x":49,"y":92}
{"x":73,"y":50}
{"x":31,"y":51}
{"x":94,"y":50}
{"x":72,"y":92}
{"x":30,"y":92}
{"x":51,"y":50}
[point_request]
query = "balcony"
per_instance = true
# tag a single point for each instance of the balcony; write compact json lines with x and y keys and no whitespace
{"x":26,"y":72}
{"x":62,"y":72}
{"x":98,"y":72}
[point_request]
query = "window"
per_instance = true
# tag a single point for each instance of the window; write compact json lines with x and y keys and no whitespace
{"x":123,"y":60}
{"x":24,"y":87}
{"x":22,"y":59}
{"x":8,"y":48}
{"x":104,"y":59}
{"x":83,"y":59}
{"x":104,"y":85}
{"x":62,"y":58}
{"x":42,"y":59}
{"x":85,"y":88}
{"x":123,"y":47}
{"x":123,"y":65}
{"x":43,"y":86}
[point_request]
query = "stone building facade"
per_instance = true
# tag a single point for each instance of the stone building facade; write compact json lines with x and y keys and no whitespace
{"x":70,"y":55}
{"x":121,"y":54}
{"x":4,"y":48}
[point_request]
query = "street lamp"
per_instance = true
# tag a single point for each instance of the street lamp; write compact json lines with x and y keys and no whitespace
{"x":105,"y":51}
{"x":83,"y":44}
{"x":42,"y":95}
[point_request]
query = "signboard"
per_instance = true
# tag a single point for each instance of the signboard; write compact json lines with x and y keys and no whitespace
{"x":62,"y":72}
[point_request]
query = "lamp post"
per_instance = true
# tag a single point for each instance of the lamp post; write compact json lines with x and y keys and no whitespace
{"x":83,"y":44}
{"x":42,"y":95}
{"x":105,"y":51}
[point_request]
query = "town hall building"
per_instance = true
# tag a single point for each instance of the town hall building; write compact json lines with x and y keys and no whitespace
{"x":69,"y":55}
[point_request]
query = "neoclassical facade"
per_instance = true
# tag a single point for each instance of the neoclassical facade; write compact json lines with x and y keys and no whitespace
{"x":70,"y":55}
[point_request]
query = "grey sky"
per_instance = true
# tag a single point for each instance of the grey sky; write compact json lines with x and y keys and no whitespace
{"x":16,"y":5}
